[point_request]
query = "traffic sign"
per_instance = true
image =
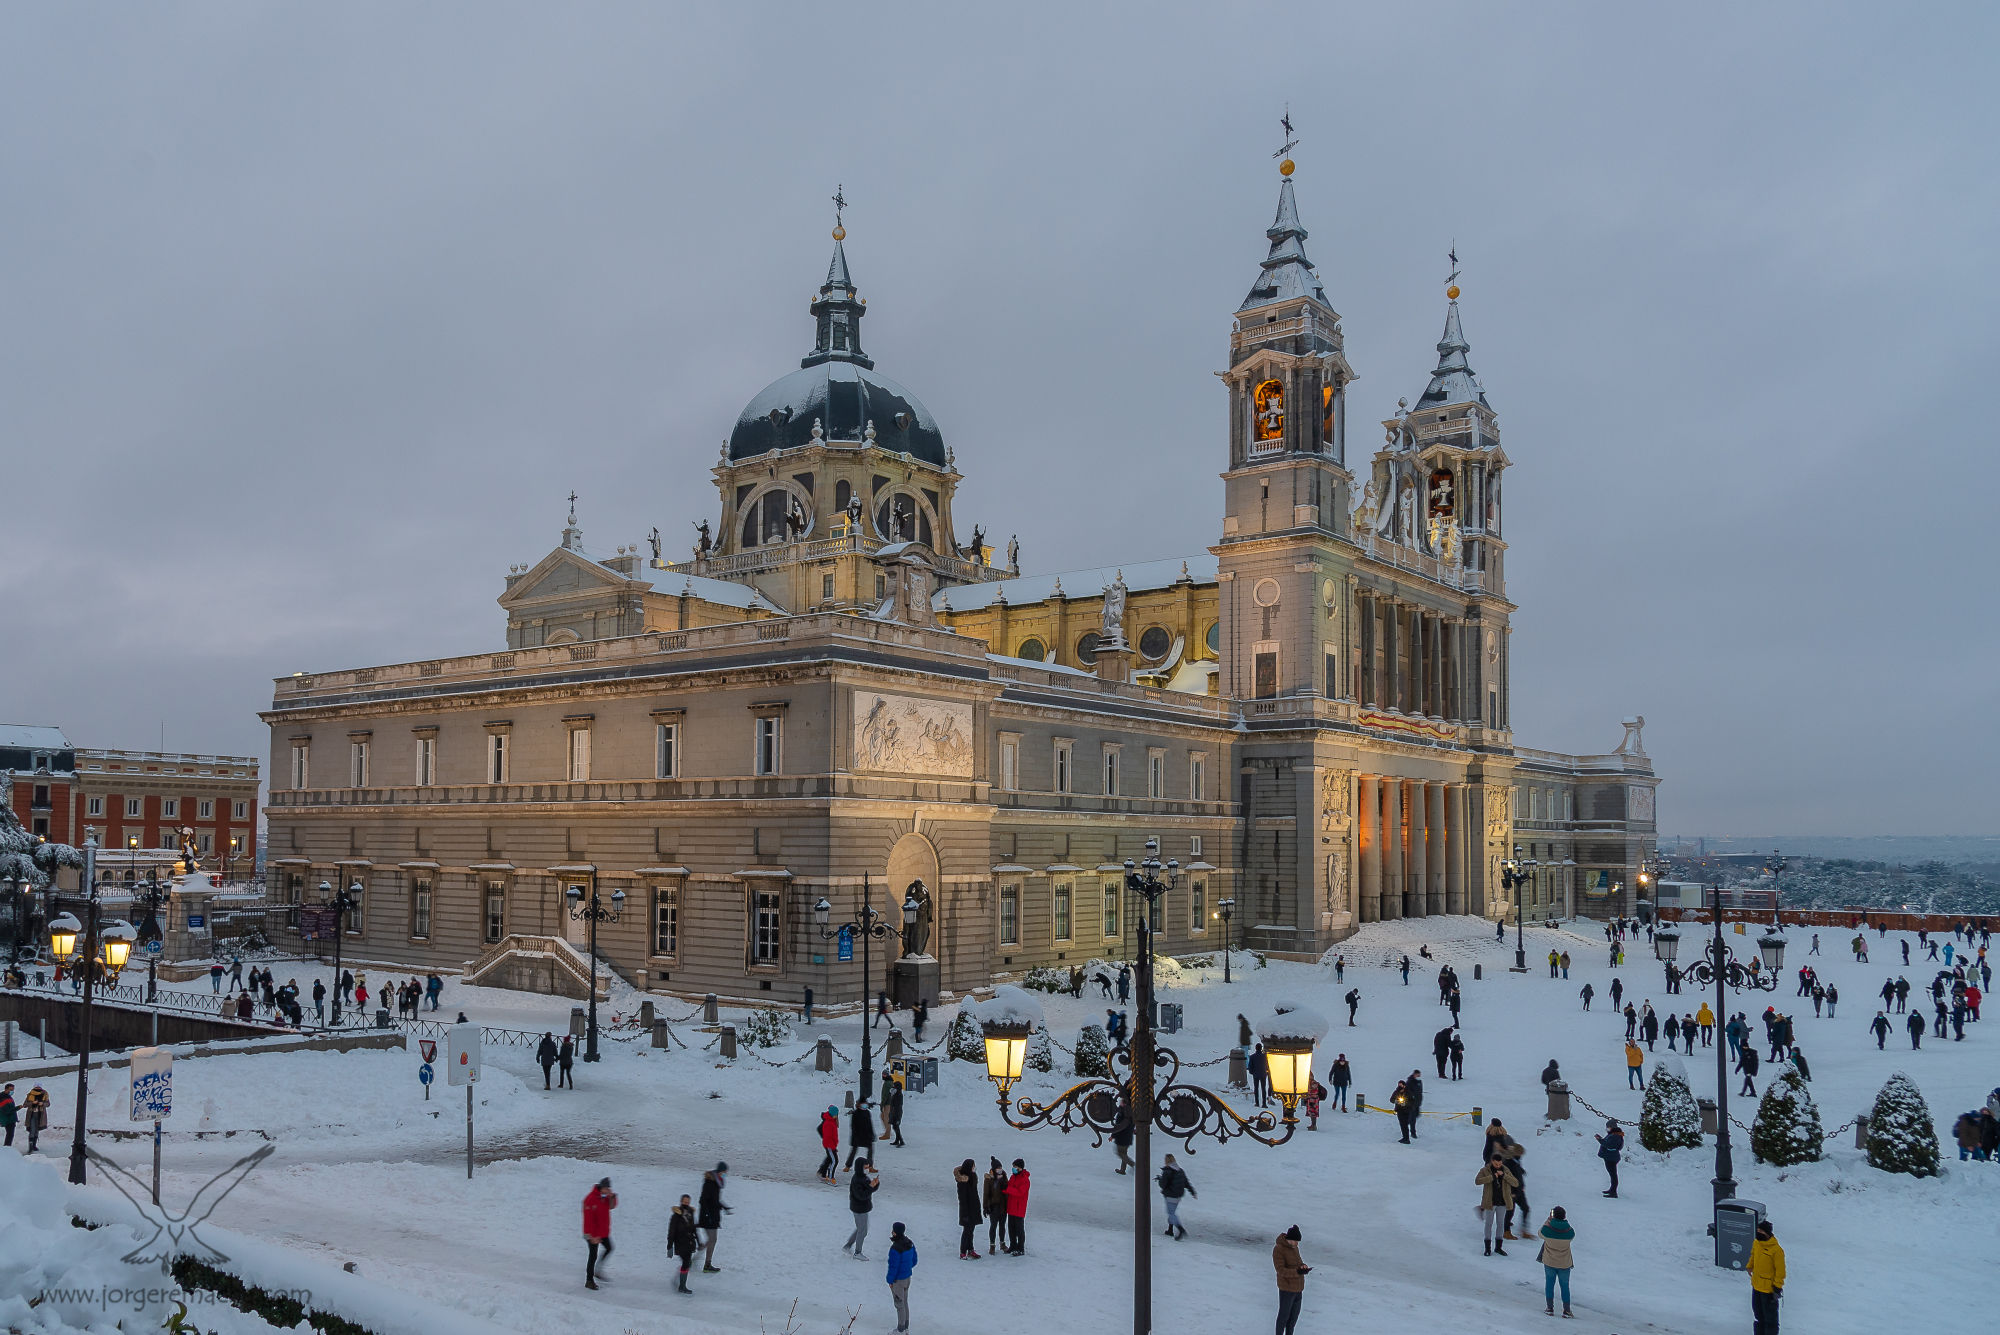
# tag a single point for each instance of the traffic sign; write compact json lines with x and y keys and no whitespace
{"x":462,"y":1054}
{"x":428,"y":1048}
{"x":426,"y":1074}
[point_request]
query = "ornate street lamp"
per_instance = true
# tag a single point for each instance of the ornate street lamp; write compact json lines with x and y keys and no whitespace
{"x":870,"y":926}
{"x":593,"y":912}
{"x":1227,"y":908}
{"x":342,"y":904}
{"x":1720,"y":966}
{"x":1774,"y":867}
{"x":1149,"y":1092}
{"x":1516,"y":872}
{"x":83,"y":945}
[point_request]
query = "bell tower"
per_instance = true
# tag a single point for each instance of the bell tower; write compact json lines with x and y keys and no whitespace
{"x":1287,"y":488}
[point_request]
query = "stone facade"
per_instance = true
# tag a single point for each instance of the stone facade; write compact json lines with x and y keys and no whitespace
{"x":1310,"y":717}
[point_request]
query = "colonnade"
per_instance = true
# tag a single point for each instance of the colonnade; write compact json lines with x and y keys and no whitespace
{"x":1414,"y":660}
{"x":1414,"y":847}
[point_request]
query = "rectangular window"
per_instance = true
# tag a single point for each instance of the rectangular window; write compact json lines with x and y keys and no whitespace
{"x":1198,"y":907}
{"x":1264,"y":676}
{"x":1010,"y":914}
{"x":579,"y":755}
{"x":295,"y":888}
{"x":881,"y":587}
{"x":1111,"y":771}
{"x":204,"y":842}
{"x":1198,"y":777}
{"x":300,"y":770}
{"x":426,"y":761}
{"x":170,"y":808}
{"x":357,"y":765}
{"x":41,"y":826}
{"x":206,"y":809}
{"x":1332,"y":670}
{"x":1194,"y":845}
{"x":769,"y":745}
{"x":357,"y":893}
{"x":1010,"y":763}
{"x":667,"y":751}
{"x":496,"y":758}
{"x":1569,"y":805}
{"x":93,"y":806}
{"x":1064,"y":755}
{"x":666,"y":920}
{"x":1156,"y":774}
{"x":496,"y":911}
{"x":169,"y":840}
{"x":132,"y":807}
{"x":41,"y":796}
{"x":826,"y":588}
{"x":420,"y":908}
{"x":764,"y":926}
{"x":1060,"y":904}
{"x":1112,"y":889}
{"x":240,"y":811}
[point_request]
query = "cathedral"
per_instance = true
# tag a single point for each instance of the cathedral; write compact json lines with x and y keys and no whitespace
{"x":839,"y":695}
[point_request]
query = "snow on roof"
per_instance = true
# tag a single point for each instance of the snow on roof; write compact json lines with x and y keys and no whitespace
{"x":33,"y":737}
{"x":1009,"y":1005}
{"x":1139,"y":577}
{"x":1292,"y":1022}
{"x":722,"y":592}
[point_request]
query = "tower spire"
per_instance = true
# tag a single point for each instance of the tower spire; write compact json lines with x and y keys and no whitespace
{"x":1286,"y":272}
{"x":1453,"y":380}
{"x":838,"y":310}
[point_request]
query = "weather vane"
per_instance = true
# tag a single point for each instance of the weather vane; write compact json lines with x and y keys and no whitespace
{"x":1290,"y":141}
{"x":839,"y":206}
{"x":1451,"y":283}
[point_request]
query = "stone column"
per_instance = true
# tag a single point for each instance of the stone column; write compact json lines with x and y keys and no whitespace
{"x":1364,"y":647}
{"x":1439,"y":664}
{"x":1417,"y":875}
{"x":1368,"y":846}
{"x":1392,"y":848}
{"x":1455,"y":846}
{"x":1391,"y":691}
{"x":1438,"y":862}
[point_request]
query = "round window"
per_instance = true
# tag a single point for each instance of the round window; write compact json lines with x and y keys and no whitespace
{"x":1266,"y":593}
{"x":1154,"y":643}
{"x":1214,"y":638}
{"x":1086,"y":648}
{"x":1032,"y":649}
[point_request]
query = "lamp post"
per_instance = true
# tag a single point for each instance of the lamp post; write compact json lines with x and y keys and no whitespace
{"x":1150,"y":1094}
{"x":229,"y":858}
{"x":152,"y":940}
{"x":342,"y":904}
{"x":1227,"y":908}
{"x":1720,"y":966}
{"x":1774,"y":868}
{"x":593,"y":912}
{"x":870,"y":926}
{"x":1515,"y":872}
{"x":83,"y":946}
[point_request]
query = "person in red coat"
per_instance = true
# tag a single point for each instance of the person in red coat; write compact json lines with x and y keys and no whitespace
{"x":1017,"y":1209}
{"x":597,"y":1208}
{"x":829,"y":1140}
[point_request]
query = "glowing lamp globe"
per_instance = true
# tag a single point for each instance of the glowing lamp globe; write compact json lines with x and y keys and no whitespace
{"x":63,"y":932}
{"x":1006,"y":1053}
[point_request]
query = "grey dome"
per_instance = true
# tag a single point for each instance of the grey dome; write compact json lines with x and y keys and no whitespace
{"x":844,"y":397}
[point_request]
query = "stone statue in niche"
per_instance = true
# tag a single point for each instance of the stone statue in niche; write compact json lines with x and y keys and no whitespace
{"x":1365,"y":513}
{"x":917,"y":935}
{"x":854,"y":510}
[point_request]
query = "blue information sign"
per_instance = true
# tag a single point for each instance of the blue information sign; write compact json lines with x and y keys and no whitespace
{"x":425,"y":1074}
{"x":846,"y":944}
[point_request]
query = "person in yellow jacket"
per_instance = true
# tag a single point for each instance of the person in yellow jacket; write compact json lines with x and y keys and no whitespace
{"x":1634,"y":1059}
{"x":1767,"y":1280}
{"x":1706,"y":1019}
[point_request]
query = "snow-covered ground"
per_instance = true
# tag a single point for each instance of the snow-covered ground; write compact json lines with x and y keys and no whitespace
{"x":367,"y":1172}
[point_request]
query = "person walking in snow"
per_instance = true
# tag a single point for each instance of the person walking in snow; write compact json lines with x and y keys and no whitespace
{"x":434,"y":988}
{"x":683,"y":1237}
{"x":1406,"y":971}
{"x":1496,"y":1198}
{"x":829,"y":1141}
{"x":1587,"y":993}
{"x":597,"y":1208}
{"x":1124,"y":983}
{"x":565,"y":1064}
{"x":1121,"y":1135}
{"x":965,"y":1178}
{"x":1611,"y":1148}
{"x":1635,"y":1060}
{"x":993,"y":1199}
{"x":892,"y":1114}
{"x":1673,"y":1030}
{"x":861,"y":1189}
{"x":1017,"y":1209}
{"x":902,"y":1264}
{"x":1342,"y":1076}
{"x":709,"y":1216}
{"x":8,"y":1113}
{"x":1174,"y":1184}
{"x":1687,"y":1032}
{"x":545,"y":1056}
{"x":1557,"y":1259}
{"x":860,"y":1135}
{"x":215,"y":976}
{"x":1798,"y":1060}
{"x":1565,"y":965}
{"x":1441,"y":1048}
{"x":1746,"y":1063}
{"x":1315,"y":1095}
{"x":1649,"y":1025}
{"x":1617,"y":992}
{"x":1704,"y":1020}
{"x":1353,"y":1000}
{"x":35,"y":1115}
{"x":319,"y":1000}
{"x":1631,"y":1018}
{"x":1879,"y":1026}
{"x":1260,"y":1076}
{"x":1292,"y":1274}
{"x":1767,"y":1280}
{"x":1457,"y":1056}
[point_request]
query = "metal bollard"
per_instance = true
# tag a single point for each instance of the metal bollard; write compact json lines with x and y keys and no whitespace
{"x":823,"y":1055}
{"x":1476,"y":973}
{"x":1239,"y":1069}
{"x":660,"y":1031}
{"x":1361,"y":1103}
{"x":729,"y":1042}
{"x":646,"y":1014}
{"x":709,"y":1011}
{"x":1558,"y":1101}
{"x":1478,"y":1115}
{"x":895,"y":1048}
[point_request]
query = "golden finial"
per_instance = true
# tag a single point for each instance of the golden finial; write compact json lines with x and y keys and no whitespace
{"x":840,"y":234}
{"x":1287,"y":167}
{"x":1451,"y":293}
{"x":839,"y":204}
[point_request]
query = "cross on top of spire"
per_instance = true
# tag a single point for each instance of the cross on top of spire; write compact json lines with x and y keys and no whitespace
{"x":572,"y":507}
{"x":839,"y":203}
{"x":1291,"y":140}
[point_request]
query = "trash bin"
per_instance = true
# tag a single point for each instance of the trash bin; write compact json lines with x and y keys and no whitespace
{"x":1735,"y":1228}
{"x":1239,"y":1068}
{"x":930,"y":1071}
{"x":906,"y":1074}
{"x":579,"y":1024}
{"x":1170,"y":1017}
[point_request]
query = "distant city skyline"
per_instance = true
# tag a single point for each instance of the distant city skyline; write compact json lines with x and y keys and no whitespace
{"x":310,"y":334}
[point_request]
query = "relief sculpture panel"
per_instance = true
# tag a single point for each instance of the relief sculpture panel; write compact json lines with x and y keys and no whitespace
{"x":903,"y":734}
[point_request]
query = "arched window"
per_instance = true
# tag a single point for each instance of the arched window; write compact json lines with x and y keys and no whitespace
{"x":1086,"y":648}
{"x":842,"y":493}
{"x":1269,"y":402}
{"x":900,"y":519}
{"x":1032,"y":649}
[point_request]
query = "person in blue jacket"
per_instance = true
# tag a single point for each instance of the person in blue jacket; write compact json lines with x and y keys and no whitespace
{"x":902,"y":1264}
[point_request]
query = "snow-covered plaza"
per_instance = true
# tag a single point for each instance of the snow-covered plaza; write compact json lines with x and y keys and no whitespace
{"x":367,"y":1173}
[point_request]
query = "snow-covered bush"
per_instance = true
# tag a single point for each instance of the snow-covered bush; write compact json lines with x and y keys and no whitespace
{"x":1787,"y":1129}
{"x":766,"y":1029}
{"x":963,"y":1042}
{"x":1669,"y":1119}
{"x":51,"y":1273}
{"x":1289,"y":1020}
{"x":1902,"y":1137}
{"x":1093,"y":1051}
{"x":1044,"y":979}
{"x":1040,"y":1057}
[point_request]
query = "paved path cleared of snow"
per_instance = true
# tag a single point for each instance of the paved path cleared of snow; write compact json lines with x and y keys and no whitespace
{"x":367,"y":1171}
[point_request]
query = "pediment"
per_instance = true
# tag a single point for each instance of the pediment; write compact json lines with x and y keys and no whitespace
{"x":561,"y":574}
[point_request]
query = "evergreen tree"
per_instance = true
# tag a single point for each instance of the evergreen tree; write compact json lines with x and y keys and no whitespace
{"x":1787,"y":1129}
{"x":965,"y":1041}
{"x":1093,"y":1051}
{"x":1040,"y":1058}
{"x":1669,"y":1119}
{"x":1902,"y":1137}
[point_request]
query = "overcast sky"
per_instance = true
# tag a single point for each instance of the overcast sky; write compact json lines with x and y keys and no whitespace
{"x":310,"y":317}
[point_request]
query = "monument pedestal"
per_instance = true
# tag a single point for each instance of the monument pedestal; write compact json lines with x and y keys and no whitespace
{"x":912,"y":979}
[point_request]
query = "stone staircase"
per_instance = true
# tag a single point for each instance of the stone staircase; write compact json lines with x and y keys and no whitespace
{"x":538,"y":964}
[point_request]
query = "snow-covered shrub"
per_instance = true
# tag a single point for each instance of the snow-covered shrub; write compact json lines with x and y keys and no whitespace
{"x":1093,"y":1051}
{"x":1787,"y":1129}
{"x":766,"y":1029}
{"x":1289,"y":1020}
{"x":1040,"y":1057}
{"x":1196,"y":961}
{"x":51,"y":1274}
{"x":1902,"y":1137}
{"x":1669,"y":1119}
{"x":963,"y":1042}
{"x":1044,"y":979}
